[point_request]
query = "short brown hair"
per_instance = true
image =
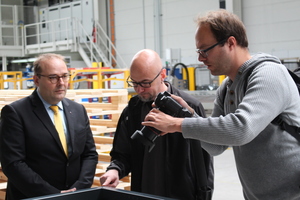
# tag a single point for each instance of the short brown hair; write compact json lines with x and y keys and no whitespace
{"x":37,"y":65}
{"x":224,"y":24}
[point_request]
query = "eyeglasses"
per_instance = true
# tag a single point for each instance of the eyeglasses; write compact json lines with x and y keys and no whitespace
{"x":144,"y":84}
{"x":204,"y":53}
{"x":55,"y":78}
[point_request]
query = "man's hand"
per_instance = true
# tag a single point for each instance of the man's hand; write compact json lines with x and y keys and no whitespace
{"x":163,"y":122}
{"x":182,"y":102}
{"x":70,"y":190}
{"x":110,"y":178}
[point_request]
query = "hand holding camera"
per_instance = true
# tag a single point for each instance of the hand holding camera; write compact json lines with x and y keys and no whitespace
{"x":166,"y":104}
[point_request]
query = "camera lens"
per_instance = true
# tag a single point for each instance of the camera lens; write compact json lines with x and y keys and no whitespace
{"x":165,"y":103}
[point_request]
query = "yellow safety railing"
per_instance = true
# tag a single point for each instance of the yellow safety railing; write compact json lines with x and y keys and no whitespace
{"x":16,"y":77}
{"x":97,"y":76}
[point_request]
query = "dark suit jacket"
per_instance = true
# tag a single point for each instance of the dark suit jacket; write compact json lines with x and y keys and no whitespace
{"x":32,"y":156}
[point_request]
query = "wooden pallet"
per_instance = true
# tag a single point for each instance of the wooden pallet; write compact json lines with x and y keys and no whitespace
{"x":104,"y":144}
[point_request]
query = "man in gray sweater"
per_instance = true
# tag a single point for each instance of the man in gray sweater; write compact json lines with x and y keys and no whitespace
{"x":267,"y":157}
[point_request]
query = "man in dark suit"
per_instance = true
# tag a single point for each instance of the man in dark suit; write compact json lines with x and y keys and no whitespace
{"x":31,"y":152}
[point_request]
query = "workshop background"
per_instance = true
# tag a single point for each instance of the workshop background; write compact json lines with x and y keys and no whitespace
{"x":100,"y":37}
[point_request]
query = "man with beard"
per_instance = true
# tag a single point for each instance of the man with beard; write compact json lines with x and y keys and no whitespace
{"x":169,"y":168}
{"x":46,"y":144}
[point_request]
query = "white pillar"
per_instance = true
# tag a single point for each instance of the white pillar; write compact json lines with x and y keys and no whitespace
{"x":4,"y":68}
{"x":157,"y":27}
{"x":4,"y":63}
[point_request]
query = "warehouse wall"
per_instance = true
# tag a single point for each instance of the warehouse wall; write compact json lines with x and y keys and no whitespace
{"x":272,"y":26}
{"x":135,"y":26}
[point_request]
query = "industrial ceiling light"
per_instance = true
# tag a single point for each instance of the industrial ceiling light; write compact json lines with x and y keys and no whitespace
{"x":24,"y":60}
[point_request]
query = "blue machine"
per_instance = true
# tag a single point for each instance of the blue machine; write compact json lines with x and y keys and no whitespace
{"x":28,"y":73}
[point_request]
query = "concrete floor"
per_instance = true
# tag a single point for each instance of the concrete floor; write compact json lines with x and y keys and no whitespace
{"x":227,"y":184}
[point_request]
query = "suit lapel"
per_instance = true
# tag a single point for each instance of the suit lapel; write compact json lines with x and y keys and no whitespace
{"x":70,"y":120}
{"x":41,"y":113}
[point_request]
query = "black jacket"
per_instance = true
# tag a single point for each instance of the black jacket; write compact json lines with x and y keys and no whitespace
{"x":32,"y":156}
{"x":168,"y":170}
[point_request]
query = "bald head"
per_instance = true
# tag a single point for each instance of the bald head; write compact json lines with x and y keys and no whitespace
{"x":146,"y":68}
{"x":146,"y":60}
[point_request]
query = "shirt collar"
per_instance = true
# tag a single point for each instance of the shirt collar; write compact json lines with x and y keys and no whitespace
{"x":47,"y":105}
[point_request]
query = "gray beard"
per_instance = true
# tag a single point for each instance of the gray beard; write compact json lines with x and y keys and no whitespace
{"x":145,"y":100}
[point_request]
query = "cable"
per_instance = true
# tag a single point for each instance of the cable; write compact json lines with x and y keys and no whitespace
{"x":186,"y":70}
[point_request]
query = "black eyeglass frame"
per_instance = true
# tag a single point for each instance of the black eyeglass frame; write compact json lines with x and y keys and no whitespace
{"x":148,"y":83}
{"x":56,"y":78}
{"x":204,"y":53}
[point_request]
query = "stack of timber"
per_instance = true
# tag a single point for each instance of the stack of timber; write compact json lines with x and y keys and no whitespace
{"x":103,"y":145}
{"x":103,"y":106}
{"x":9,"y":96}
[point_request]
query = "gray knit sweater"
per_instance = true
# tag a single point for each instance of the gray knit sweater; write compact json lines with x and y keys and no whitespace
{"x":267,"y":158}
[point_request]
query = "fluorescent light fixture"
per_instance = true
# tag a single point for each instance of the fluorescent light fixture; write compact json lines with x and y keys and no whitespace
{"x":24,"y":60}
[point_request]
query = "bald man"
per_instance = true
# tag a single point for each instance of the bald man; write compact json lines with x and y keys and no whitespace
{"x":169,"y":169}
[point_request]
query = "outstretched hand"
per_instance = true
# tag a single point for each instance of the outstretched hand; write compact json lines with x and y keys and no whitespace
{"x":110,"y":178}
{"x":70,"y":190}
{"x":163,"y":122}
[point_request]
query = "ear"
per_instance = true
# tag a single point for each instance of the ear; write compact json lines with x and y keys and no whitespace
{"x":163,"y":74}
{"x":231,"y":42}
{"x":36,"y":80}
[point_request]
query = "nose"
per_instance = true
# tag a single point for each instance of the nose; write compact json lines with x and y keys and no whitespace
{"x":139,"y":89}
{"x":60,"y":80}
{"x":201,"y":58}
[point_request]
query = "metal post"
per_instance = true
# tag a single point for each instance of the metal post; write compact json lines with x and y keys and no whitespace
{"x":157,"y":27}
{"x":4,"y":63}
{"x":1,"y":39}
{"x":15,"y":25}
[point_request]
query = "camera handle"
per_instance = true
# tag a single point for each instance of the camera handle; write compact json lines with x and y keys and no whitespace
{"x":168,"y":105}
{"x":147,"y":135}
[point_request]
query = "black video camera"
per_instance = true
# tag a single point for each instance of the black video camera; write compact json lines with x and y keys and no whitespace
{"x":165,"y":103}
